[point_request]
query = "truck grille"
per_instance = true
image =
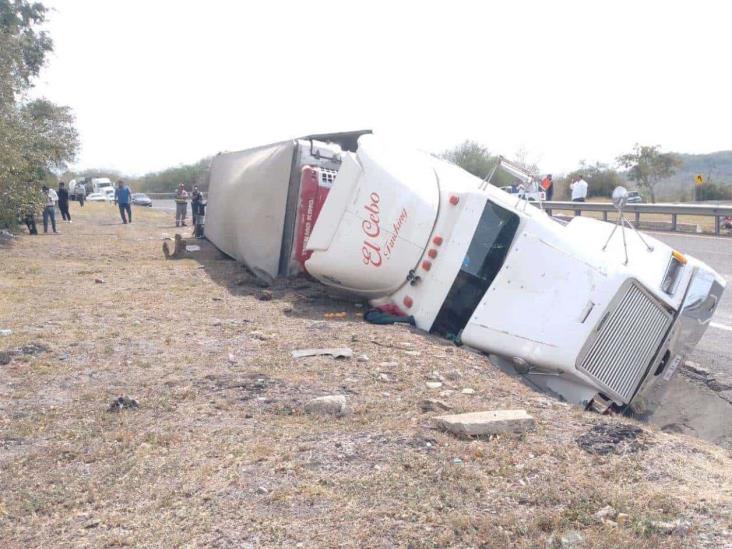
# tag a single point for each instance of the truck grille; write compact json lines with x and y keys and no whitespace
{"x":625,"y":342}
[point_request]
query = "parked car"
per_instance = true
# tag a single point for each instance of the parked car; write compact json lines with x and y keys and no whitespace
{"x":97,"y":197}
{"x":634,"y":197}
{"x":531,"y":196}
{"x":141,"y":199}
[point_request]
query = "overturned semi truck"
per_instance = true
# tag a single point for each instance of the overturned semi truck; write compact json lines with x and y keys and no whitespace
{"x":601,"y":321}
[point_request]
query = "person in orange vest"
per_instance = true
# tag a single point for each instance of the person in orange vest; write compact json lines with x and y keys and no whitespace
{"x":548,"y":185}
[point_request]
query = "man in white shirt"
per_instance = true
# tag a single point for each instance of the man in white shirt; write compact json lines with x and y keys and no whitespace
{"x":579,"y":189}
{"x":49,"y":208}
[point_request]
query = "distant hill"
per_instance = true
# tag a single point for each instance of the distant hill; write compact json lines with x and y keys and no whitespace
{"x":715,"y":167}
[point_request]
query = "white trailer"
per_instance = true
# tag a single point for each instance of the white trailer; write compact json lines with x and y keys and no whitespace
{"x":600,"y":320}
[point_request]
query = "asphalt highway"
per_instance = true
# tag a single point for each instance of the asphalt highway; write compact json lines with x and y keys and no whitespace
{"x":167,"y":204}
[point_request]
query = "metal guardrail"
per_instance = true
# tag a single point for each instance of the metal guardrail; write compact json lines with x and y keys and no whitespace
{"x":162,"y":196}
{"x":673,"y":210}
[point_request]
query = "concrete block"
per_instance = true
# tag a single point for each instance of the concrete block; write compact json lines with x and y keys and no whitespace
{"x":486,"y":423}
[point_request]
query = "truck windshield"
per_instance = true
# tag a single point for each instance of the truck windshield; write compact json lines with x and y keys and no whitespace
{"x":483,"y":260}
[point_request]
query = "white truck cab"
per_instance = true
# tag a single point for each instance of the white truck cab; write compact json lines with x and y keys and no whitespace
{"x":101,"y":185}
{"x":557,"y":303}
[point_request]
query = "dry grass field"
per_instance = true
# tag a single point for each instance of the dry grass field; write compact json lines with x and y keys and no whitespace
{"x":219,"y":452}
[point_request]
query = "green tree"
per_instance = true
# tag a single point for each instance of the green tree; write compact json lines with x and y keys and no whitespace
{"x":477,"y":160}
{"x":168,"y":179}
{"x":35,"y":136}
{"x":713,"y":191}
{"x":472,"y":157}
{"x":601,"y":179}
{"x":647,"y":165}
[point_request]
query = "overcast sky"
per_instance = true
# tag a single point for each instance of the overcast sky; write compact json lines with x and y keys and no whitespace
{"x":156,"y":83}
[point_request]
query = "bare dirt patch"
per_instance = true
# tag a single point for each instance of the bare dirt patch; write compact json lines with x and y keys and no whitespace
{"x":220,"y":453}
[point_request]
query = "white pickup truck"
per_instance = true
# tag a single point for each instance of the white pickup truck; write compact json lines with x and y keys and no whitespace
{"x":597,"y":322}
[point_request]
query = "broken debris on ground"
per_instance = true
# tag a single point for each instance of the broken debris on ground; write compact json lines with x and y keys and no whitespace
{"x":123,"y":403}
{"x":613,"y":438}
{"x":431,"y":405}
{"x":336,"y":352}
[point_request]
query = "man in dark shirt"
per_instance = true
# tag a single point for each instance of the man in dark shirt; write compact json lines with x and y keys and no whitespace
{"x":63,"y":202}
{"x":123,"y":198}
{"x":29,"y":218}
{"x":196,"y":200}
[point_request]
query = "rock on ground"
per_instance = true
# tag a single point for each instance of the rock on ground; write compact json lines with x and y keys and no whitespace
{"x":332,"y":405}
{"x":486,"y":423}
{"x":606,"y":513}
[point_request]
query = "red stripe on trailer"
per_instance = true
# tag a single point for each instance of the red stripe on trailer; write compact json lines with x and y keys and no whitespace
{"x":315,"y":184}
{"x":305,"y":212}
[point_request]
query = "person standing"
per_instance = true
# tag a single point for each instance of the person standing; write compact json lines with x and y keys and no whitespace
{"x":579,"y":189}
{"x":49,"y":208}
{"x":123,"y":198}
{"x":548,"y":185}
{"x":80,"y":192}
{"x":29,"y":218}
{"x":181,"y":206}
{"x":196,"y":201}
{"x":63,"y":202}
